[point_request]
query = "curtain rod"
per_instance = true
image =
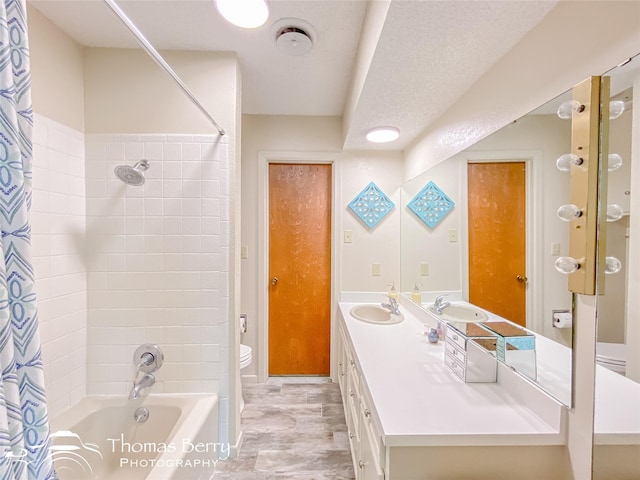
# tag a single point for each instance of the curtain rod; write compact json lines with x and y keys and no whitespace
{"x":153,"y":53}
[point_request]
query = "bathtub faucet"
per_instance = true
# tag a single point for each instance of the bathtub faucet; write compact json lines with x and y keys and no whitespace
{"x":147,"y":380}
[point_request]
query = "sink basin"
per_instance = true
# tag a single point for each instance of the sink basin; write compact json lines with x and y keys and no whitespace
{"x":375,"y":314}
{"x":463,"y":313}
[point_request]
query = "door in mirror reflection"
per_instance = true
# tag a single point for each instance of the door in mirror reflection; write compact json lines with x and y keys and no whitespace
{"x":497,"y":256}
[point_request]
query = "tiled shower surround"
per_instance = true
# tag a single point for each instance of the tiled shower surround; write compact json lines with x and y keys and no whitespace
{"x":117,"y":266}
{"x":58,"y":240}
{"x":158,"y":262}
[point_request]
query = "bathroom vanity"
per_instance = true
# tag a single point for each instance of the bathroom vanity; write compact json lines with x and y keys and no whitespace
{"x":409,"y":416}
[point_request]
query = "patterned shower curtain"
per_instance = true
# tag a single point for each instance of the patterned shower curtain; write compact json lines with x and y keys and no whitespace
{"x":24,"y":426}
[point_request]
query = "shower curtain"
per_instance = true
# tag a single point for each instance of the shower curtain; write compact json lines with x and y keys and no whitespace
{"x":24,"y":426}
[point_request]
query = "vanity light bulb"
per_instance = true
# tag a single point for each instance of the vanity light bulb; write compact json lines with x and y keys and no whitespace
{"x":614,"y":161}
{"x":567,"y":265}
{"x":569,"y":212}
{"x":616,"y":108}
{"x":614,"y":212}
{"x":612,"y":265}
{"x":565,"y":161}
{"x":568,"y":108}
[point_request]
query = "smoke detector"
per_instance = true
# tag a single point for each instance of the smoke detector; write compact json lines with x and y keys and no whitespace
{"x":293,"y":36}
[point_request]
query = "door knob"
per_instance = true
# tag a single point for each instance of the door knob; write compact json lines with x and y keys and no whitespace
{"x":522,"y":278}
{"x":274,"y":281}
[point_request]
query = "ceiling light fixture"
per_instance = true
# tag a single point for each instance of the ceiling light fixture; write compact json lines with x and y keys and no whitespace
{"x":244,"y":13}
{"x":383,"y":134}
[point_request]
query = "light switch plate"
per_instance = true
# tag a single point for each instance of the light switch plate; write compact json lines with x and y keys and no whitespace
{"x":375,"y":270}
{"x":453,"y":235}
{"x":424,"y":269}
{"x":244,"y":252}
{"x":348,"y":236}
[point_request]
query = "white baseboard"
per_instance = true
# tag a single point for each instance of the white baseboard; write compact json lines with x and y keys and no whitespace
{"x":235,"y":448}
{"x":252,"y":378}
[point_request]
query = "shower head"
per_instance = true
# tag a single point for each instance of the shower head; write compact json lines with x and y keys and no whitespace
{"x":132,"y":175}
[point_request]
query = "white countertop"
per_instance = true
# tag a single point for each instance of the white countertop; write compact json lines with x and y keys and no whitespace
{"x":420,"y":402}
{"x":617,"y":409}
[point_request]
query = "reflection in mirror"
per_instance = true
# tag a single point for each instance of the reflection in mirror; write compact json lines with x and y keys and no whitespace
{"x":617,"y":401}
{"x":520,"y":233}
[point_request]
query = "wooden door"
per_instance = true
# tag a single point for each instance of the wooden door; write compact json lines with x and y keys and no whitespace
{"x":299,"y":269}
{"x":497,"y":238}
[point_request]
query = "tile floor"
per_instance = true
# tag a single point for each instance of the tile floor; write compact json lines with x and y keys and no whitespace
{"x":294,"y":428}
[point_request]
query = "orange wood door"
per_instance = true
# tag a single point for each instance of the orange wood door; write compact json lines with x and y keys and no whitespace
{"x":300,"y":260}
{"x":497,"y":238}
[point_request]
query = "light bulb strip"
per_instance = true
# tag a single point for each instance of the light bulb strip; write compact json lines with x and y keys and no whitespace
{"x":586,"y":143}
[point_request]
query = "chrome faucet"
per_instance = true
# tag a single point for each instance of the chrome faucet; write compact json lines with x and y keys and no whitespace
{"x":146,"y":381}
{"x":439,"y":305}
{"x":392,"y":306}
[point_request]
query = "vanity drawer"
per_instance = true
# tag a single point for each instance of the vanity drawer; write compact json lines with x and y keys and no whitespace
{"x":353,"y":373}
{"x":453,"y":349}
{"x":369,"y":425}
{"x":455,"y":366}
{"x":456,"y":338}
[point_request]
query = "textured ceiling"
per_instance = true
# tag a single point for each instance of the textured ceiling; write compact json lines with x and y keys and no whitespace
{"x":427,"y":55}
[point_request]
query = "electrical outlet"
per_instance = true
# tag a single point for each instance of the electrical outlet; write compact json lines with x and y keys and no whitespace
{"x":424,"y":269}
{"x":555,"y":249}
{"x":244,"y":252}
{"x":375,"y":270}
{"x":348,"y":236}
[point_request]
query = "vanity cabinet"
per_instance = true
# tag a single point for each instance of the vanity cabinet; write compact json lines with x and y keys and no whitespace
{"x":362,"y":429}
{"x":410,"y":418}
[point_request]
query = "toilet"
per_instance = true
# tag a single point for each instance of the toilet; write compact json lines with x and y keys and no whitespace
{"x":611,"y":356}
{"x":246,"y":356}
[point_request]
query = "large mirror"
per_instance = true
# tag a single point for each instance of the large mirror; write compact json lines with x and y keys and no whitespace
{"x":616,"y":450}
{"x":496,"y":247}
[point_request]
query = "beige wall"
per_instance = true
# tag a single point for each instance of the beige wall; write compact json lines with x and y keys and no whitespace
{"x":127,"y":92}
{"x":57,"y":85}
{"x":353,"y":171}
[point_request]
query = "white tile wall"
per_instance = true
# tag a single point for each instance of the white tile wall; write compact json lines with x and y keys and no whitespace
{"x":58,"y":240}
{"x":158,"y":261}
{"x":117,"y":266}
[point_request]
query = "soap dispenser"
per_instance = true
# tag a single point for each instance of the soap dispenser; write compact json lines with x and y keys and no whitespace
{"x":416,"y":296}
{"x":393,"y":293}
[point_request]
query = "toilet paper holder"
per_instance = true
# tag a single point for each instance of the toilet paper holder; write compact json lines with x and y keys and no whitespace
{"x":561,"y":318}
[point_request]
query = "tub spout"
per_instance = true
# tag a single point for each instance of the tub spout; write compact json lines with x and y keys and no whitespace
{"x":147,"y":380}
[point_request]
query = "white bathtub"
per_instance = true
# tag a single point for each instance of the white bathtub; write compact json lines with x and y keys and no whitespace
{"x":99,"y":439}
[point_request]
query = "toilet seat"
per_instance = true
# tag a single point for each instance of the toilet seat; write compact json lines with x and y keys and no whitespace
{"x":611,"y":356}
{"x":246,"y":355}
{"x":611,"y":352}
